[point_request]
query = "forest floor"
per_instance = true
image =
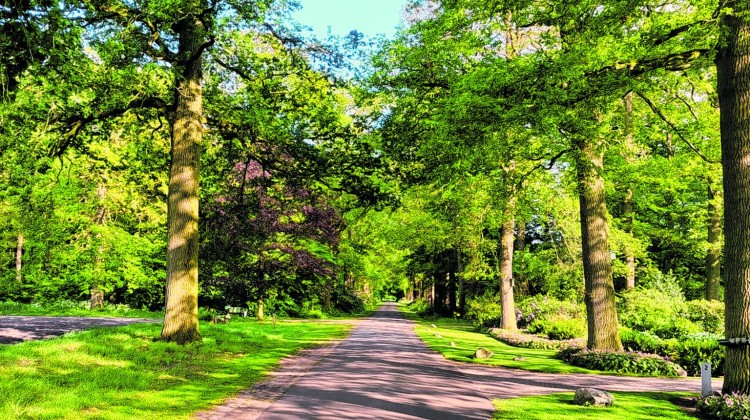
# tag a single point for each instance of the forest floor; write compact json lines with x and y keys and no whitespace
{"x":383,"y":370}
{"x":15,"y":329}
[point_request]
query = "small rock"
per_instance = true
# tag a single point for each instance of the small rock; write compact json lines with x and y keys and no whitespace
{"x":519,"y":359}
{"x":591,"y":396}
{"x":482,"y":353}
{"x":438,"y":335}
{"x":453,"y":344}
{"x":682,"y":373}
{"x":433,"y":325}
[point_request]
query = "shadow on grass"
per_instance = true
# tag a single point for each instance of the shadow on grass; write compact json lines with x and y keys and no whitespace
{"x":123,"y":372}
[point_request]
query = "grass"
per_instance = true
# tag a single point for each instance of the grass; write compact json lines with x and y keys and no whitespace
{"x":467,"y":341}
{"x":124,"y":373}
{"x":69,"y":308}
{"x":635,"y":405}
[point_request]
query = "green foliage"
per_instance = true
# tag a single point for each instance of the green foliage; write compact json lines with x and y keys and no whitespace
{"x":519,"y":339}
{"x":70,"y":308}
{"x":542,"y":308}
{"x":709,"y":314}
{"x":724,"y":407}
{"x":625,"y":363}
{"x":484,"y":311}
{"x":122,"y":372}
{"x":565,"y":329}
{"x":688,"y":352}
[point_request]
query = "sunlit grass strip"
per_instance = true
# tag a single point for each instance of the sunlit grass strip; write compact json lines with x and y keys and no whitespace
{"x":123,"y":373}
{"x":467,"y":341}
{"x":74,"y":309}
{"x":559,"y":406}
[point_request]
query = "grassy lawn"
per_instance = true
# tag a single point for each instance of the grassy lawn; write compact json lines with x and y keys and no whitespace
{"x":467,"y":341}
{"x":124,"y":373}
{"x":636,"y":405}
{"x":73,"y":309}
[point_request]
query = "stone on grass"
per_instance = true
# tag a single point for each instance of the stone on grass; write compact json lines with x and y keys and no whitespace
{"x":433,"y":325}
{"x":453,"y":344}
{"x":682,"y":373}
{"x":438,"y":335}
{"x":519,"y":359}
{"x":595,"y":397}
{"x":482,"y":353}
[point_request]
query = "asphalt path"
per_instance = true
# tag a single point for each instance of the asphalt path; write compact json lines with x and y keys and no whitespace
{"x":15,"y":329}
{"x":383,"y":371}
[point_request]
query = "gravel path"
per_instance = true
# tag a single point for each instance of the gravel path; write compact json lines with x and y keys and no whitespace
{"x":15,"y":329}
{"x":384,"y":371}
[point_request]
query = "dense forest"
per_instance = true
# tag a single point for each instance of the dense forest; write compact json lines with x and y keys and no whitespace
{"x":589,"y":158}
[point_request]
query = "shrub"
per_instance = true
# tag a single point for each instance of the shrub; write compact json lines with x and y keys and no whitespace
{"x":519,"y":339}
{"x":689,"y":352}
{"x":725,"y":406}
{"x":664,"y":314}
{"x":419,"y":306}
{"x":485,"y":311}
{"x":708,"y":314}
{"x":620,"y":362}
{"x":547,"y":308}
{"x":565,"y":329}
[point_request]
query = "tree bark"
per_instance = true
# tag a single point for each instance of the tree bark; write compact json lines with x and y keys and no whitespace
{"x":629,"y":255}
{"x":19,"y":257}
{"x":597,"y":266}
{"x":96,"y":299}
{"x":733,"y":67}
{"x":713,"y":254}
{"x":181,"y":312}
{"x":507,"y":302}
{"x":260,"y":309}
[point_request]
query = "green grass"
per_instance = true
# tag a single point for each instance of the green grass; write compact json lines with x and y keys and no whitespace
{"x":124,"y":373}
{"x":74,"y":309}
{"x":467,"y":341}
{"x":635,"y":405}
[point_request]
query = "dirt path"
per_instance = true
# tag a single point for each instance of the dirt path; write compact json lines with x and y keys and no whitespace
{"x":15,"y":329}
{"x":384,"y":371}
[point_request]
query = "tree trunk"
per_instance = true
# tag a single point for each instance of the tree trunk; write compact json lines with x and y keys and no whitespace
{"x":181,"y":314}
{"x":452,"y":292}
{"x":629,"y":254}
{"x":733,"y":66}
{"x":597,"y":266}
{"x":19,"y":257}
{"x":461,"y":284}
{"x":96,"y":294}
{"x":507,"y":302}
{"x":260,"y":309}
{"x":713,"y":254}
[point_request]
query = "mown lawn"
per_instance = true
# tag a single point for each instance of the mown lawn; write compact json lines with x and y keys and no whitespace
{"x":124,"y":373}
{"x":634,"y":405}
{"x":467,"y":341}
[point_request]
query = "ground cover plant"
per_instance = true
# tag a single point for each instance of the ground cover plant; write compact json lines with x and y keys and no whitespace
{"x":123,"y":373}
{"x":70,"y":308}
{"x":631,"y":405}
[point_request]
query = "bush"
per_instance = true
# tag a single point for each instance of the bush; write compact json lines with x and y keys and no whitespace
{"x":689,"y":352}
{"x":662,"y":313}
{"x":519,"y":339}
{"x":725,"y":407}
{"x":621,"y":362}
{"x":419,"y":306}
{"x":544,"y":308}
{"x":565,"y":329}
{"x":485,"y":311}
{"x":708,"y":314}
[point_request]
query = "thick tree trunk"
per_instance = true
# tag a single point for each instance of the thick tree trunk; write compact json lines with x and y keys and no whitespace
{"x":713,"y":254}
{"x":19,"y":257}
{"x":96,"y":299}
{"x":629,"y":255}
{"x":452,"y":292}
{"x":507,"y":301}
{"x":461,"y":284}
{"x":181,"y":312}
{"x":597,"y":266}
{"x":733,"y":66}
{"x":260,"y":309}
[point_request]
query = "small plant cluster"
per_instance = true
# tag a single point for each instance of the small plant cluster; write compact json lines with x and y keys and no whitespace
{"x":626,"y":362}
{"x":484,"y":311}
{"x":559,"y":328}
{"x":688,"y":352}
{"x":732,"y":406}
{"x":519,"y":339}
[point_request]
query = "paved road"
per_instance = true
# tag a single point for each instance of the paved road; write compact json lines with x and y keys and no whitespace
{"x":383,"y":371}
{"x":15,"y":329}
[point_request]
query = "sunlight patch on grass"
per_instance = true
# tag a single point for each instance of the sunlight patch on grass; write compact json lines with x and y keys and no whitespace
{"x":559,"y":406}
{"x":124,"y":373}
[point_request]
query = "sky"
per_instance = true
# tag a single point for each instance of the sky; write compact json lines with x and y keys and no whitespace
{"x":370,"y":17}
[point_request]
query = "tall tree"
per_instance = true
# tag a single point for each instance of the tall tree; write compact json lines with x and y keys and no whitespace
{"x":733,"y":65}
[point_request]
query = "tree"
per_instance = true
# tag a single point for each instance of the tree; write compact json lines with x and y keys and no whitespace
{"x":733,"y":65}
